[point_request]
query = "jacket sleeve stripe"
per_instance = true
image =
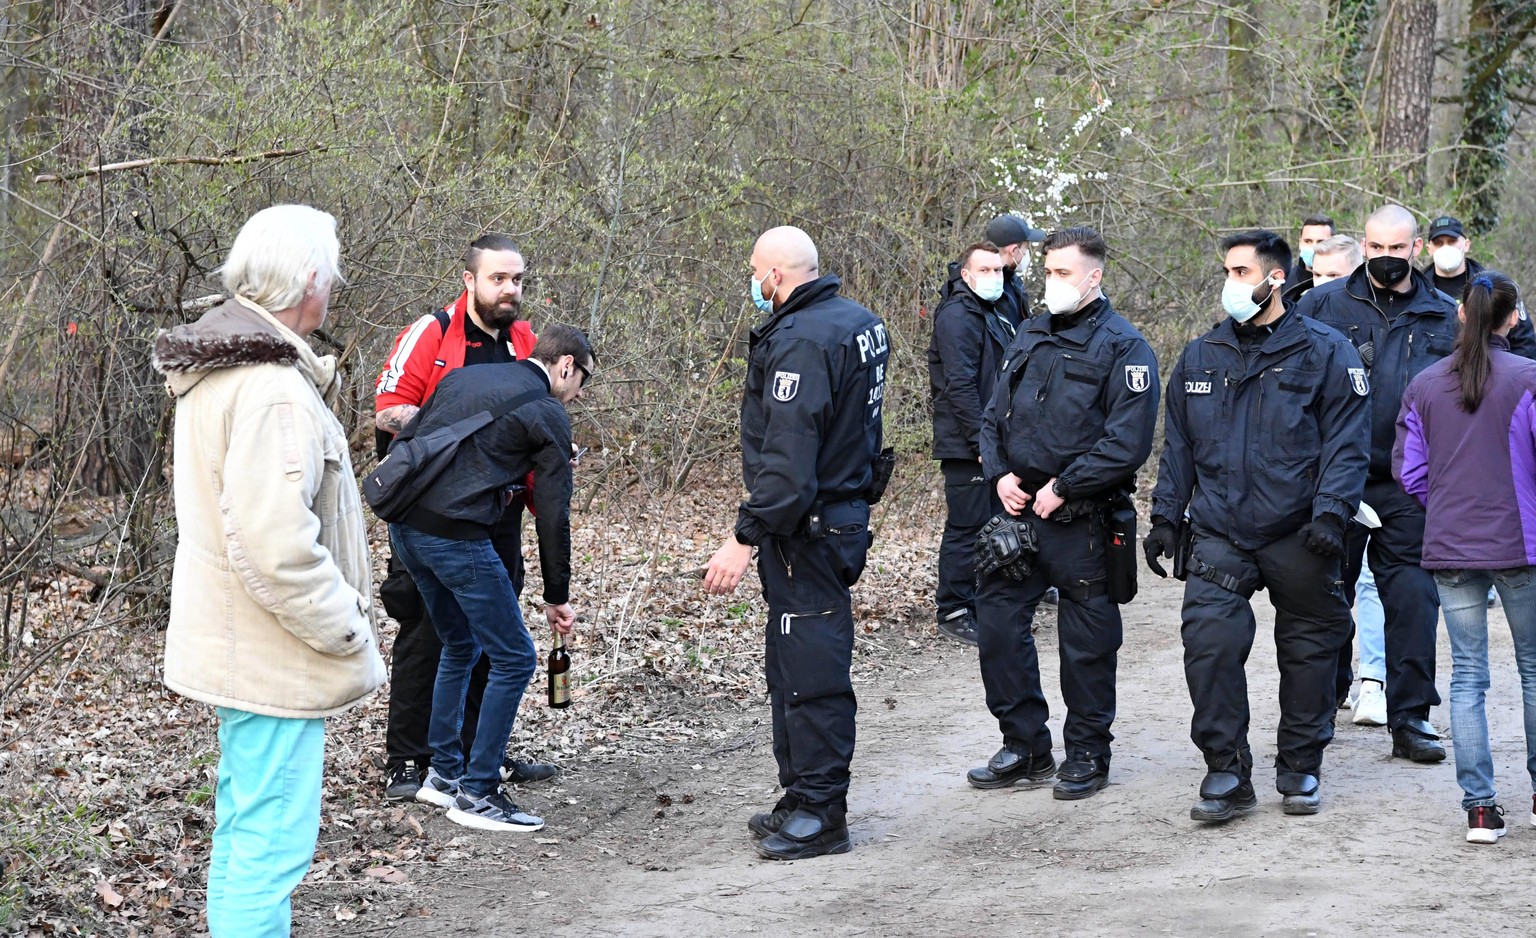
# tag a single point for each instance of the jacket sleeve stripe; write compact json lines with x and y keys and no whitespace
{"x":394,"y":368}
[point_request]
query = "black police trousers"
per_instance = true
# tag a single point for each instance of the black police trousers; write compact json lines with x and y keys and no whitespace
{"x":1409,"y":597}
{"x":808,"y":651}
{"x":413,"y":659}
{"x":969,"y":502}
{"x":1311,"y":623}
{"x":1088,"y":630}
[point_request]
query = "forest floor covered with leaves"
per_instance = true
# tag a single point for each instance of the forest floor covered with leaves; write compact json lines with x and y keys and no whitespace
{"x":106,"y":782}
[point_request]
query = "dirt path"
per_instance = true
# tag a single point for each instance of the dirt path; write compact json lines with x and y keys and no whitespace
{"x":935,"y":857}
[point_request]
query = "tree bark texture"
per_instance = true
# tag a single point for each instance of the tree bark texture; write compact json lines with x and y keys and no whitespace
{"x":1407,"y":84}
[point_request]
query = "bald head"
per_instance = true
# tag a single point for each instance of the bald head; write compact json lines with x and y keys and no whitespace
{"x":1394,"y":217}
{"x":782,"y":259}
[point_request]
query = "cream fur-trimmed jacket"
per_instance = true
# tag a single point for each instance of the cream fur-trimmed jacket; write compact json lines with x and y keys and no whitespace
{"x":271,"y":596}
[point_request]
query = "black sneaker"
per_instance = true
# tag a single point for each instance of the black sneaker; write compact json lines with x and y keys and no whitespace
{"x":403,"y":783}
{"x":521,"y":773}
{"x":961,"y":628}
{"x":493,"y":812}
{"x":1485,"y":824}
{"x":1052,"y":597}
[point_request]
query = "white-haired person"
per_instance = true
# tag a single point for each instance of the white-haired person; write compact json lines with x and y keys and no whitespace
{"x":270,"y":596}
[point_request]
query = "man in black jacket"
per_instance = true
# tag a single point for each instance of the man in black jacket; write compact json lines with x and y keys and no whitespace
{"x":972,"y":328}
{"x":811,"y":431}
{"x":1264,"y":446}
{"x":446,"y":542}
{"x":1068,"y":424}
{"x":1013,"y":238}
{"x":1315,"y":229}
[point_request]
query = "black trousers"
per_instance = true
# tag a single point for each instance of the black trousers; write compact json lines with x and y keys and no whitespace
{"x":808,"y":650}
{"x":1409,"y":597}
{"x":413,"y":665}
{"x":1311,"y":623}
{"x":1089,"y":634}
{"x":969,"y":502}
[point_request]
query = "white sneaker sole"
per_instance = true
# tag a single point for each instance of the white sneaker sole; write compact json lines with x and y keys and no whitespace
{"x":479,"y":823}
{"x":440,"y":799}
{"x":1370,"y":716}
{"x":1481,"y":835}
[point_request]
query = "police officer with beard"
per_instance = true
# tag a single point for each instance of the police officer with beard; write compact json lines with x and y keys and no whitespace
{"x":1070,"y":422}
{"x":1265,"y":448}
{"x":811,"y":439}
{"x":1401,"y":325}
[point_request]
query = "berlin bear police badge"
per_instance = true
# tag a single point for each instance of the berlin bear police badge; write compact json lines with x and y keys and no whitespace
{"x":1138,"y":377}
{"x":785,"y":384}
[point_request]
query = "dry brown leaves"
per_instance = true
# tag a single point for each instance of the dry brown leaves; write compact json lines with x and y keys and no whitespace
{"x":106,"y":778}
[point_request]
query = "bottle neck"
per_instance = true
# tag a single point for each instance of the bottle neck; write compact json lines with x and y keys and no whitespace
{"x":559,"y":639}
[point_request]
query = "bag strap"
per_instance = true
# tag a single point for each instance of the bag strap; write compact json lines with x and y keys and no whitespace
{"x":506,"y":407}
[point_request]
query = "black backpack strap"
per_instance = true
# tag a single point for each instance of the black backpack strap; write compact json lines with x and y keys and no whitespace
{"x":506,"y":407}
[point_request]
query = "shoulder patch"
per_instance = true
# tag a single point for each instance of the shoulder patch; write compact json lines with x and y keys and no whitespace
{"x":1138,"y":377}
{"x":785,"y":385}
{"x":1358,"y":382}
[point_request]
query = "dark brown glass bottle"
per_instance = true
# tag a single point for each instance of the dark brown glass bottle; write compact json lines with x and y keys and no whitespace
{"x":559,"y":667}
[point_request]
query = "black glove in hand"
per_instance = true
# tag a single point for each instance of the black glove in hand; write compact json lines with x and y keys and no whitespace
{"x":1324,"y":536}
{"x":1006,"y":545}
{"x":1161,"y":541}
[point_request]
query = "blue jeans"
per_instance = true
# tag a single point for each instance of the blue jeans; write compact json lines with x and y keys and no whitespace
{"x":267,"y":812}
{"x":1370,"y":626}
{"x":1464,"y":599}
{"x":472,"y":604}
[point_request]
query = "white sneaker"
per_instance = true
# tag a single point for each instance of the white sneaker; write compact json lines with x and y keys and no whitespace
{"x":494,"y":812}
{"x":1371,"y":704}
{"x":436,"y":790}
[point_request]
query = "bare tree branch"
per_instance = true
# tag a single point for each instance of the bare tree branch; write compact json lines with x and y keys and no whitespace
{"x":177,"y":161}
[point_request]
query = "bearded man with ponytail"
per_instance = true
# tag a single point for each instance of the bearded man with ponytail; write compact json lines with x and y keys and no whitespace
{"x":1466,"y":450}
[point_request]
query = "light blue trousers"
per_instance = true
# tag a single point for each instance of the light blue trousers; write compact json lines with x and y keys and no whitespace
{"x":268,"y":817}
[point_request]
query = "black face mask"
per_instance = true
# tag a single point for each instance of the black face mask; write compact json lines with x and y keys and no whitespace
{"x":1388,"y":271}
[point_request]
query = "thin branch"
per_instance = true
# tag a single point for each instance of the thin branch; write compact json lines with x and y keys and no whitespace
{"x":177,"y":161}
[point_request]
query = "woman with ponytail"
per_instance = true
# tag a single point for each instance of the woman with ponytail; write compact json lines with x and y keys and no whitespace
{"x":1466,"y":449}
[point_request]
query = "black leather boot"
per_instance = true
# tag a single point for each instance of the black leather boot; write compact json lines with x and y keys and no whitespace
{"x":1012,"y":767}
{"x":1222,"y":795}
{"x":1418,"y":741}
{"x":1300,"y":791}
{"x":765,"y":823}
{"x":1081,"y":776}
{"x":806,"y":833}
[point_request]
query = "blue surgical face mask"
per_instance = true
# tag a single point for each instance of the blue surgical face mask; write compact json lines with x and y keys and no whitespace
{"x":1237,"y":299}
{"x":988,"y":288}
{"x":1308,"y":252}
{"x":763,"y":303}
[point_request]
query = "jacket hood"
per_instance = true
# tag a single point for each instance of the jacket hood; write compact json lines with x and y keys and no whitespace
{"x":234,"y":334}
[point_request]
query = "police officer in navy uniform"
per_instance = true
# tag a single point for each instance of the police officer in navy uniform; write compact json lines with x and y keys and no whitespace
{"x":811,"y":432}
{"x":1069,"y":423}
{"x":1265,"y":449}
{"x":1400,"y":324}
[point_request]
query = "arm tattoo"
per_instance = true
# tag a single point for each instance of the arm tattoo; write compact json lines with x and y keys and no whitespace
{"x":393,"y":419}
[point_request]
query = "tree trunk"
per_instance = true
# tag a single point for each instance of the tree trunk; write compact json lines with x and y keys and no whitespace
{"x":1408,"y":38}
{"x":1496,"y":30}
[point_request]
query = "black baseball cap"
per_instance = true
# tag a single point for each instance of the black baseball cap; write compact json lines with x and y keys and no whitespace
{"x":1010,"y":229}
{"x":1446,"y":225}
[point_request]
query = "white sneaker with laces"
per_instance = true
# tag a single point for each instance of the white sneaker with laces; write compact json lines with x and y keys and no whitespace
{"x":436,"y":790}
{"x":494,"y":812}
{"x":1371,"y":704}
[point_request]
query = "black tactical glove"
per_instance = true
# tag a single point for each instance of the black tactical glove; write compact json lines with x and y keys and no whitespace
{"x":1006,"y":545}
{"x":1324,"y":536}
{"x":1162,"y":541}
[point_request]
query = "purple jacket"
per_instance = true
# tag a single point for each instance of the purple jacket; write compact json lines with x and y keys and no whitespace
{"x":1475,"y":474}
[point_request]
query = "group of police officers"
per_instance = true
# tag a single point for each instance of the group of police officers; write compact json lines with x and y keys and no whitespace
{"x":1279,"y":425}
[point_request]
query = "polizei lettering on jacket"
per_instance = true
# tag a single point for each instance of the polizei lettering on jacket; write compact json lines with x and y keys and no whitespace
{"x":872,"y":344}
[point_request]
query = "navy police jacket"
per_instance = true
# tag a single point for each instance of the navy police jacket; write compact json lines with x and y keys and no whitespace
{"x":811,"y":411}
{"x":1256,"y":446}
{"x":1079,"y":405}
{"x":1422,"y":333}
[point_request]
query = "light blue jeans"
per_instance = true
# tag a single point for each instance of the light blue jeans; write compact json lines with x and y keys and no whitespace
{"x":1370,"y":627}
{"x":268,"y":816}
{"x":1464,"y":600}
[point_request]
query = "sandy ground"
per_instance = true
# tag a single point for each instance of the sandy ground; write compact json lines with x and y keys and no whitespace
{"x":658,"y":846}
